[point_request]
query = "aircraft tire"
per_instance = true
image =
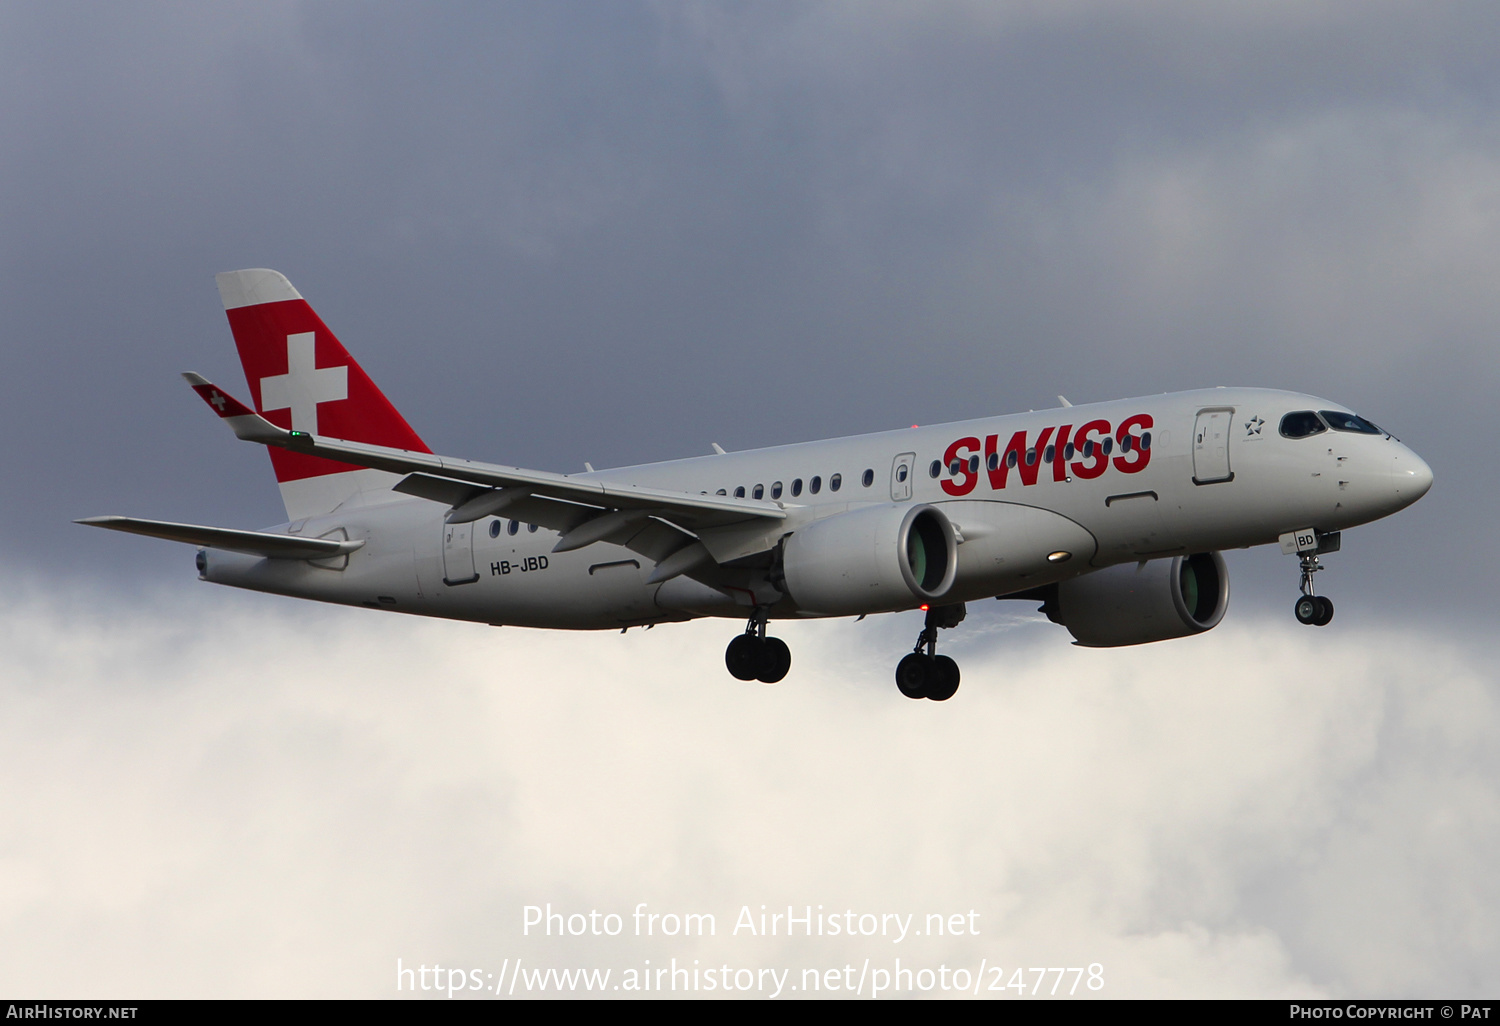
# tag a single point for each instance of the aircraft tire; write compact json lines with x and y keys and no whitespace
{"x":945,"y":679}
{"x":775,"y":660}
{"x":1307,"y":610}
{"x":1325,"y":612}
{"x":914,"y":673}
{"x":743,"y":657}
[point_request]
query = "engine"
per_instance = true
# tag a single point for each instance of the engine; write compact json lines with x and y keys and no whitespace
{"x":870,"y":560}
{"x":1134,"y":603}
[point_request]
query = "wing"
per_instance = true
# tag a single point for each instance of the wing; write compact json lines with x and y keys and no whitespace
{"x":658,"y":523}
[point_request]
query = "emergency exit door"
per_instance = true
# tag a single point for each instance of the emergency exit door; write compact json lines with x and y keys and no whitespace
{"x":901,"y":476}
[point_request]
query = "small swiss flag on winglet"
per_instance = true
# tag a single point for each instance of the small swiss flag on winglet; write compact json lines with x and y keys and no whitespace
{"x":224,"y":404}
{"x":300,"y":375}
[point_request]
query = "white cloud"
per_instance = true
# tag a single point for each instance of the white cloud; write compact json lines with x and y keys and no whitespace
{"x":254,"y":798}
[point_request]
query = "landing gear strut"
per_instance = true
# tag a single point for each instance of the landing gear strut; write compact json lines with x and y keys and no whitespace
{"x":753,"y":656}
{"x":923,"y":673}
{"x":1312,"y":609}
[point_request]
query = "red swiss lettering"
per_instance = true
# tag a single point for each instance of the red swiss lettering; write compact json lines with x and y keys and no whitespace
{"x":1134,"y":459}
{"x":1094,"y":461}
{"x":963,"y":483}
{"x":1015,"y":454}
{"x":996,"y":461}
{"x":1060,"y":457}
{"x":1029,"y":460}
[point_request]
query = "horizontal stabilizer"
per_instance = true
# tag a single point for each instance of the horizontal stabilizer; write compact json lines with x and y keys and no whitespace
{"x":256,"y":543}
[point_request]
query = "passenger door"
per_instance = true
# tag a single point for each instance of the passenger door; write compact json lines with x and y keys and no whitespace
{"x":1211,"y":447}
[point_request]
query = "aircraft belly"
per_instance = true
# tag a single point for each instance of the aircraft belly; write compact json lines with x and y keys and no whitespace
{"x":522,"y":582}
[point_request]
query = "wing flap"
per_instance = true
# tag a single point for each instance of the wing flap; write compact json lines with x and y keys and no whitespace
{"x":439,"y":489}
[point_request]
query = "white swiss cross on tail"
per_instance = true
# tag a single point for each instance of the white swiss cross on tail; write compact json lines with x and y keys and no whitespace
{"x":304,"y":385}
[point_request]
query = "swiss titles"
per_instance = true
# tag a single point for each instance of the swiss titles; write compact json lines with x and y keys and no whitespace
{"x":1083,"y":451}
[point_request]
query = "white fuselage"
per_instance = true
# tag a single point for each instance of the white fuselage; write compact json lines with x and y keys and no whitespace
{"x":1151,"y":477}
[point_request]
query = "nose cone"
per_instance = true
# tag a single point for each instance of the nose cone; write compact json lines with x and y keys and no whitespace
{"x":1410,"y":476}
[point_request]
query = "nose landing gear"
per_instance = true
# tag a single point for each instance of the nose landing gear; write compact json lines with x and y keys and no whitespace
{"x":923,"y":673}
{"x":1311,"y":609}
{"x":753,"y":656}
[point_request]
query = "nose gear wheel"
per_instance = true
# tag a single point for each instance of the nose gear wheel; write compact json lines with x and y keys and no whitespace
{"x":1312,"y":609}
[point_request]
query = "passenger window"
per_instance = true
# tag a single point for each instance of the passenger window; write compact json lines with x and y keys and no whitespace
{"x":1051,"y":452}
{"x":758,"y":492}
{"x":796,"y":487}
{"x":1301,"y":424}
{"x":1125,"y":443}
{"x":835,"y":481}
{"x":739,"y":493}
{"x":1069,"y":451}
{"x":1010,"y":459}
{"x":494,"y":528}
{"x":1031,"y":457}
{"x":1108,"y":446}
{"x":993,"y":462}
{"x":776,"y":490}
{"x":1145,"y":441}
{"x":531,"y":528}
{"x":1088,"y":449}
{"x":720,"y":492}
{"x":513,"y":527}
{"x":1349,"y":422}
{"x":974,"y":464}
{"x":815,"y":485}
{"x":955,"y":467}
{"x":868,"y":478}
{"x":936,"y":468}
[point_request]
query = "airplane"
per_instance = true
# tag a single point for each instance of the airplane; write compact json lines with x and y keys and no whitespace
{"x":1111,"y":515}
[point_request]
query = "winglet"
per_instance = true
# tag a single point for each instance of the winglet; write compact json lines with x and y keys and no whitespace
{"x":245,"y":422}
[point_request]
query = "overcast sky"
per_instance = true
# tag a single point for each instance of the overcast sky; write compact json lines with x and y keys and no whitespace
{"x":618,"y":232}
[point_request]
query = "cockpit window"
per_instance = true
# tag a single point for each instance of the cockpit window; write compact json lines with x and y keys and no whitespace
{"x":1301,"y":424}
{"x":1349,"y":422}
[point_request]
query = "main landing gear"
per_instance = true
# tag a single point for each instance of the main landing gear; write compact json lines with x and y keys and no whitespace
{"x":753,"y":656}
{"x":1313,"y":610}
{"x":924,"y":673}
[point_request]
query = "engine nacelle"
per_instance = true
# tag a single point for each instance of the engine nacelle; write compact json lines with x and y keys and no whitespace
{"x":871,"y":560}
{"x":1134,"y":603}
